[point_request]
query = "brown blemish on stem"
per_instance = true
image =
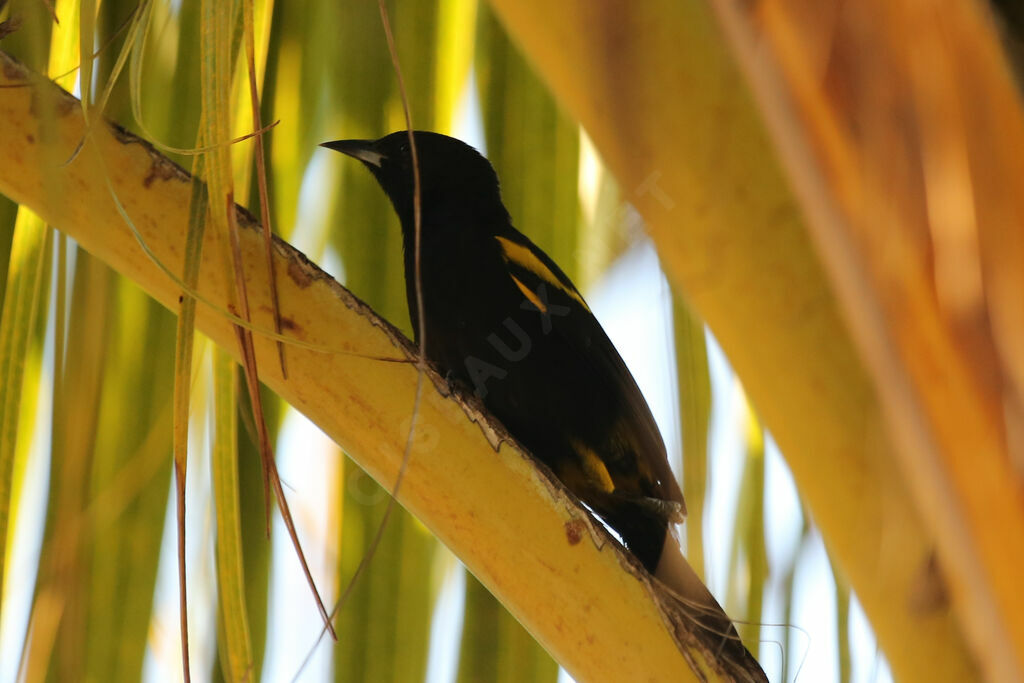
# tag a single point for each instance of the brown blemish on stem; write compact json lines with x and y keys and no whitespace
{"x":299,"y":275}
{"x":160,"y":168}
{"x":574,"y":530}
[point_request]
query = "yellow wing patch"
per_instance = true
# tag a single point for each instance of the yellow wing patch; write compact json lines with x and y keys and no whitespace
{"x":524,"y":258}
{"x":530,"y":296}
{"x":593,"y":468}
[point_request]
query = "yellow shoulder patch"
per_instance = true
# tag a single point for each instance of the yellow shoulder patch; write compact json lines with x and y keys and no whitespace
{"x":530,"y":296}
{"x":594,"y":469}
{"x":524,"y":258}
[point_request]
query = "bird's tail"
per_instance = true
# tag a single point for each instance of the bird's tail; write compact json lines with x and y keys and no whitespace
{"x":713,"y":627}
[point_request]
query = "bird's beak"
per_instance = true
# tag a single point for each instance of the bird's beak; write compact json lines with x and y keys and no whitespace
{"x":364,"y":150}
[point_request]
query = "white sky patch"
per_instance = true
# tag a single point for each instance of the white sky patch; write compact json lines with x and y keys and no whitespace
{"x":469,"y":123}
{"x":308,"y":463}
{"x":26,"y":537}
{"x":163,"y":652}
{"x":446,"y":627}
{"x":632,"y":304}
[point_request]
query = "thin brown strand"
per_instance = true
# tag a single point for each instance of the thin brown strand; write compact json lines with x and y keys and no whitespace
{"x":179,"y":490}
{"x":421,"y":323}
{"x":248,"y":355}
{"x":257,"y":133}
{"x":49,"y":4}
{"x":286,"y":515}
{"x":261,"y":177}
{"x":421,"y":334}
{"x":262,"y":439}
{"x":416,"y":203}
{"x":363,"y":564}
{"x":270,"y":475}
{"x":417,"y":231}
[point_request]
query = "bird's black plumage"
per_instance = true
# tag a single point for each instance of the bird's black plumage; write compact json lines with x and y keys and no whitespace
{"x":502,"y":319}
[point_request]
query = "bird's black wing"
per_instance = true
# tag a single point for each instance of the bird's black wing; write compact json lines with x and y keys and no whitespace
{"x":633,"y":435}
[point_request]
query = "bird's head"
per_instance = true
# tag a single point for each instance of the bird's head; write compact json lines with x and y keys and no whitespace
{"x":455,"y":179}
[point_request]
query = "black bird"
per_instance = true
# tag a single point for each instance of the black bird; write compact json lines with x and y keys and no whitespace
{"x":503,"y":321}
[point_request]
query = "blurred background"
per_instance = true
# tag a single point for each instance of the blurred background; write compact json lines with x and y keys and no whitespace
{"x":90,"y":591}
